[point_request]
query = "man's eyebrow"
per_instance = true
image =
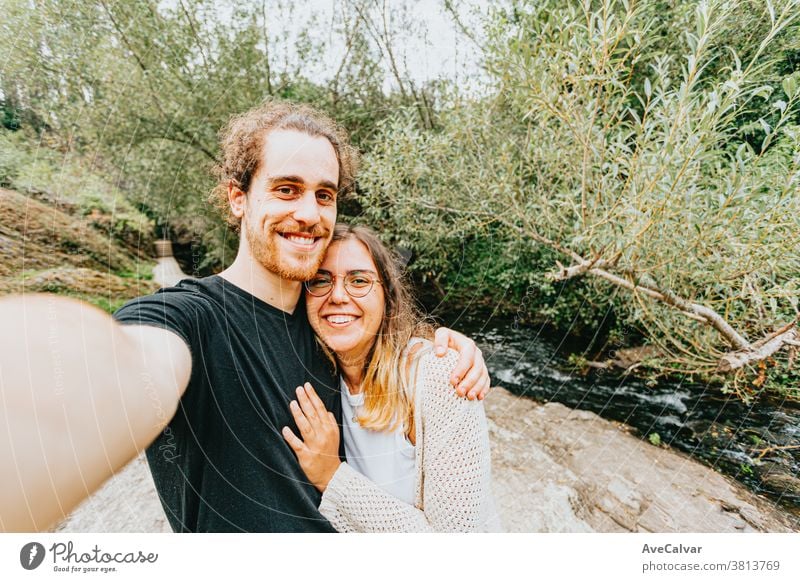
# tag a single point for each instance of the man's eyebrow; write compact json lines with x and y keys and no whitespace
{"x":278,"y":179}
{"x":329,"y":185}
{"x":272,"y":180}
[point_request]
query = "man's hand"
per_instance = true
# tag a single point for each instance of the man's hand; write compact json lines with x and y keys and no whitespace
{"x":470,"y":376}
{"x":318,"y":451}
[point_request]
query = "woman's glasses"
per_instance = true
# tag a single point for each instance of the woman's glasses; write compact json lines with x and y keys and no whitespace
{"x":356,"y":284}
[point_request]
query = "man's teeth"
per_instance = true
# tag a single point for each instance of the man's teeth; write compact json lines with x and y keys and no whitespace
{"x":303,"y":240}
{"x":340,"y":318}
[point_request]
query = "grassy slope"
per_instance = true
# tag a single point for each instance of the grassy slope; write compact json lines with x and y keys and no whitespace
{"x":44,"y":248}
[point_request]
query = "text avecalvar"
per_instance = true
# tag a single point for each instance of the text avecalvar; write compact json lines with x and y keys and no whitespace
{"x":671,"y":549}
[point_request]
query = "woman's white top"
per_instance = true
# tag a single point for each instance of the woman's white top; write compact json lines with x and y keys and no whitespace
{"x":385,"y":458}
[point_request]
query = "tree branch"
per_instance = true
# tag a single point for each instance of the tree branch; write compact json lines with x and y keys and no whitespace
{"x":268,"y":72}
{"x":450,"y":7}
{"x":746,"y":352}
{"x":760,"y":350}
{"x":194,"y":34}
{"x":187,"y":139}
{"x":650,"y":289}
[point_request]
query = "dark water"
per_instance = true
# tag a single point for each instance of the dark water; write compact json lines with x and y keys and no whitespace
{"x":716,"y":429}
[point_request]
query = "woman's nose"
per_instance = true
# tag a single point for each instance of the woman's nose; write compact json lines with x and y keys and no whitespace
{"x":339,"y":293}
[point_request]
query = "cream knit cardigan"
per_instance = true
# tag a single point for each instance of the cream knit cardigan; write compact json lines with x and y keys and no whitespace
{"x":453,"y":467}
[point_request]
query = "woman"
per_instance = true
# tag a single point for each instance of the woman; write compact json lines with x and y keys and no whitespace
{"x":418,"y":454}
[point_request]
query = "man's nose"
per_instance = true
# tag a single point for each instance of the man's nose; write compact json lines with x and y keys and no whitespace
{"x":307,"y":209}
{"x":339,"y":293}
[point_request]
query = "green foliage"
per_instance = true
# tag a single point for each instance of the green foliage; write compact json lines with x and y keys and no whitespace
{"x":660,"y":139}
{"x":604,"y":142}
{"x":70,"y":182}
{"x":108,"y":305}
{"x":9,"y":116}
{"x":655,"y":439}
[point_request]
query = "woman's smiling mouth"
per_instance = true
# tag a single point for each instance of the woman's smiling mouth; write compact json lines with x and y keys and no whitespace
{"x":340,"y":319}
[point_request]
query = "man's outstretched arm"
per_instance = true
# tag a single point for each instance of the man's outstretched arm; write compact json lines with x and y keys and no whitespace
{"x":80,"y":396}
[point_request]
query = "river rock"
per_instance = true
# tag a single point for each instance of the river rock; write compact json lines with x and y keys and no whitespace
{"x":554,"y":469}
{"x":778,"y":478}
{"x":563,"y":470}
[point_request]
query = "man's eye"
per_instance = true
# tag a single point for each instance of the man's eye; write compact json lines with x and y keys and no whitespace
{"x":325,"y":196}
{"x":285,"y":190}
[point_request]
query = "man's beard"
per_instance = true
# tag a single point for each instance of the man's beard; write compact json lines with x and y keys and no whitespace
{"x":265,"y":248}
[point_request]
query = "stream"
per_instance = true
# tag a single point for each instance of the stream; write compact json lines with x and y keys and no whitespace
{"x":757,"y":444}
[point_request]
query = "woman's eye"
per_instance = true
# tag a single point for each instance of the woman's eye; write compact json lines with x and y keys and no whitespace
{"x":359,"y":281}
{"x":319,"y":282}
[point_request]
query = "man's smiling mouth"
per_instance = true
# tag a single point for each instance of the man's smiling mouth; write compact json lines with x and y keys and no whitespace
{"x":305,"y":240}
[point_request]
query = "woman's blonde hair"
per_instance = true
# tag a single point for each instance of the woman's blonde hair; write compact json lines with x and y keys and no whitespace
{"x":387,"y":401}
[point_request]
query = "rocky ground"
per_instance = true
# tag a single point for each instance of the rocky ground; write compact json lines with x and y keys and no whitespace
{"x":555,"y":470}
{"x":563,"y":470}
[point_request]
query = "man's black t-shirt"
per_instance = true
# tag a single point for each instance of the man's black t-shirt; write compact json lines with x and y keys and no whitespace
{"x":222,"y":465}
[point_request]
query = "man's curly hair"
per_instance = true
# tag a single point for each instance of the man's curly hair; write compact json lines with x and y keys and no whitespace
{"x":242,"y":142}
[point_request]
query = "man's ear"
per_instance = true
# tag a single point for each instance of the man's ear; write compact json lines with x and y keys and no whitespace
{"x":236,"y":199}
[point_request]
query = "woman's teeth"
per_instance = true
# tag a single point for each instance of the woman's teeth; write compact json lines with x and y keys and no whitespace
{"x":340,"y":318}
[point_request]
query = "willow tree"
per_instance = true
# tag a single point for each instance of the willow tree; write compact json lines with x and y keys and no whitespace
{"x":665,"y":167}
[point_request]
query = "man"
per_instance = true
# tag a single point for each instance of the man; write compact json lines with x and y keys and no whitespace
{"x":207,"y":368}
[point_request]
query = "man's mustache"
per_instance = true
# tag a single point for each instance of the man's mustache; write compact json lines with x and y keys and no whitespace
{"x":316,"y":231}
